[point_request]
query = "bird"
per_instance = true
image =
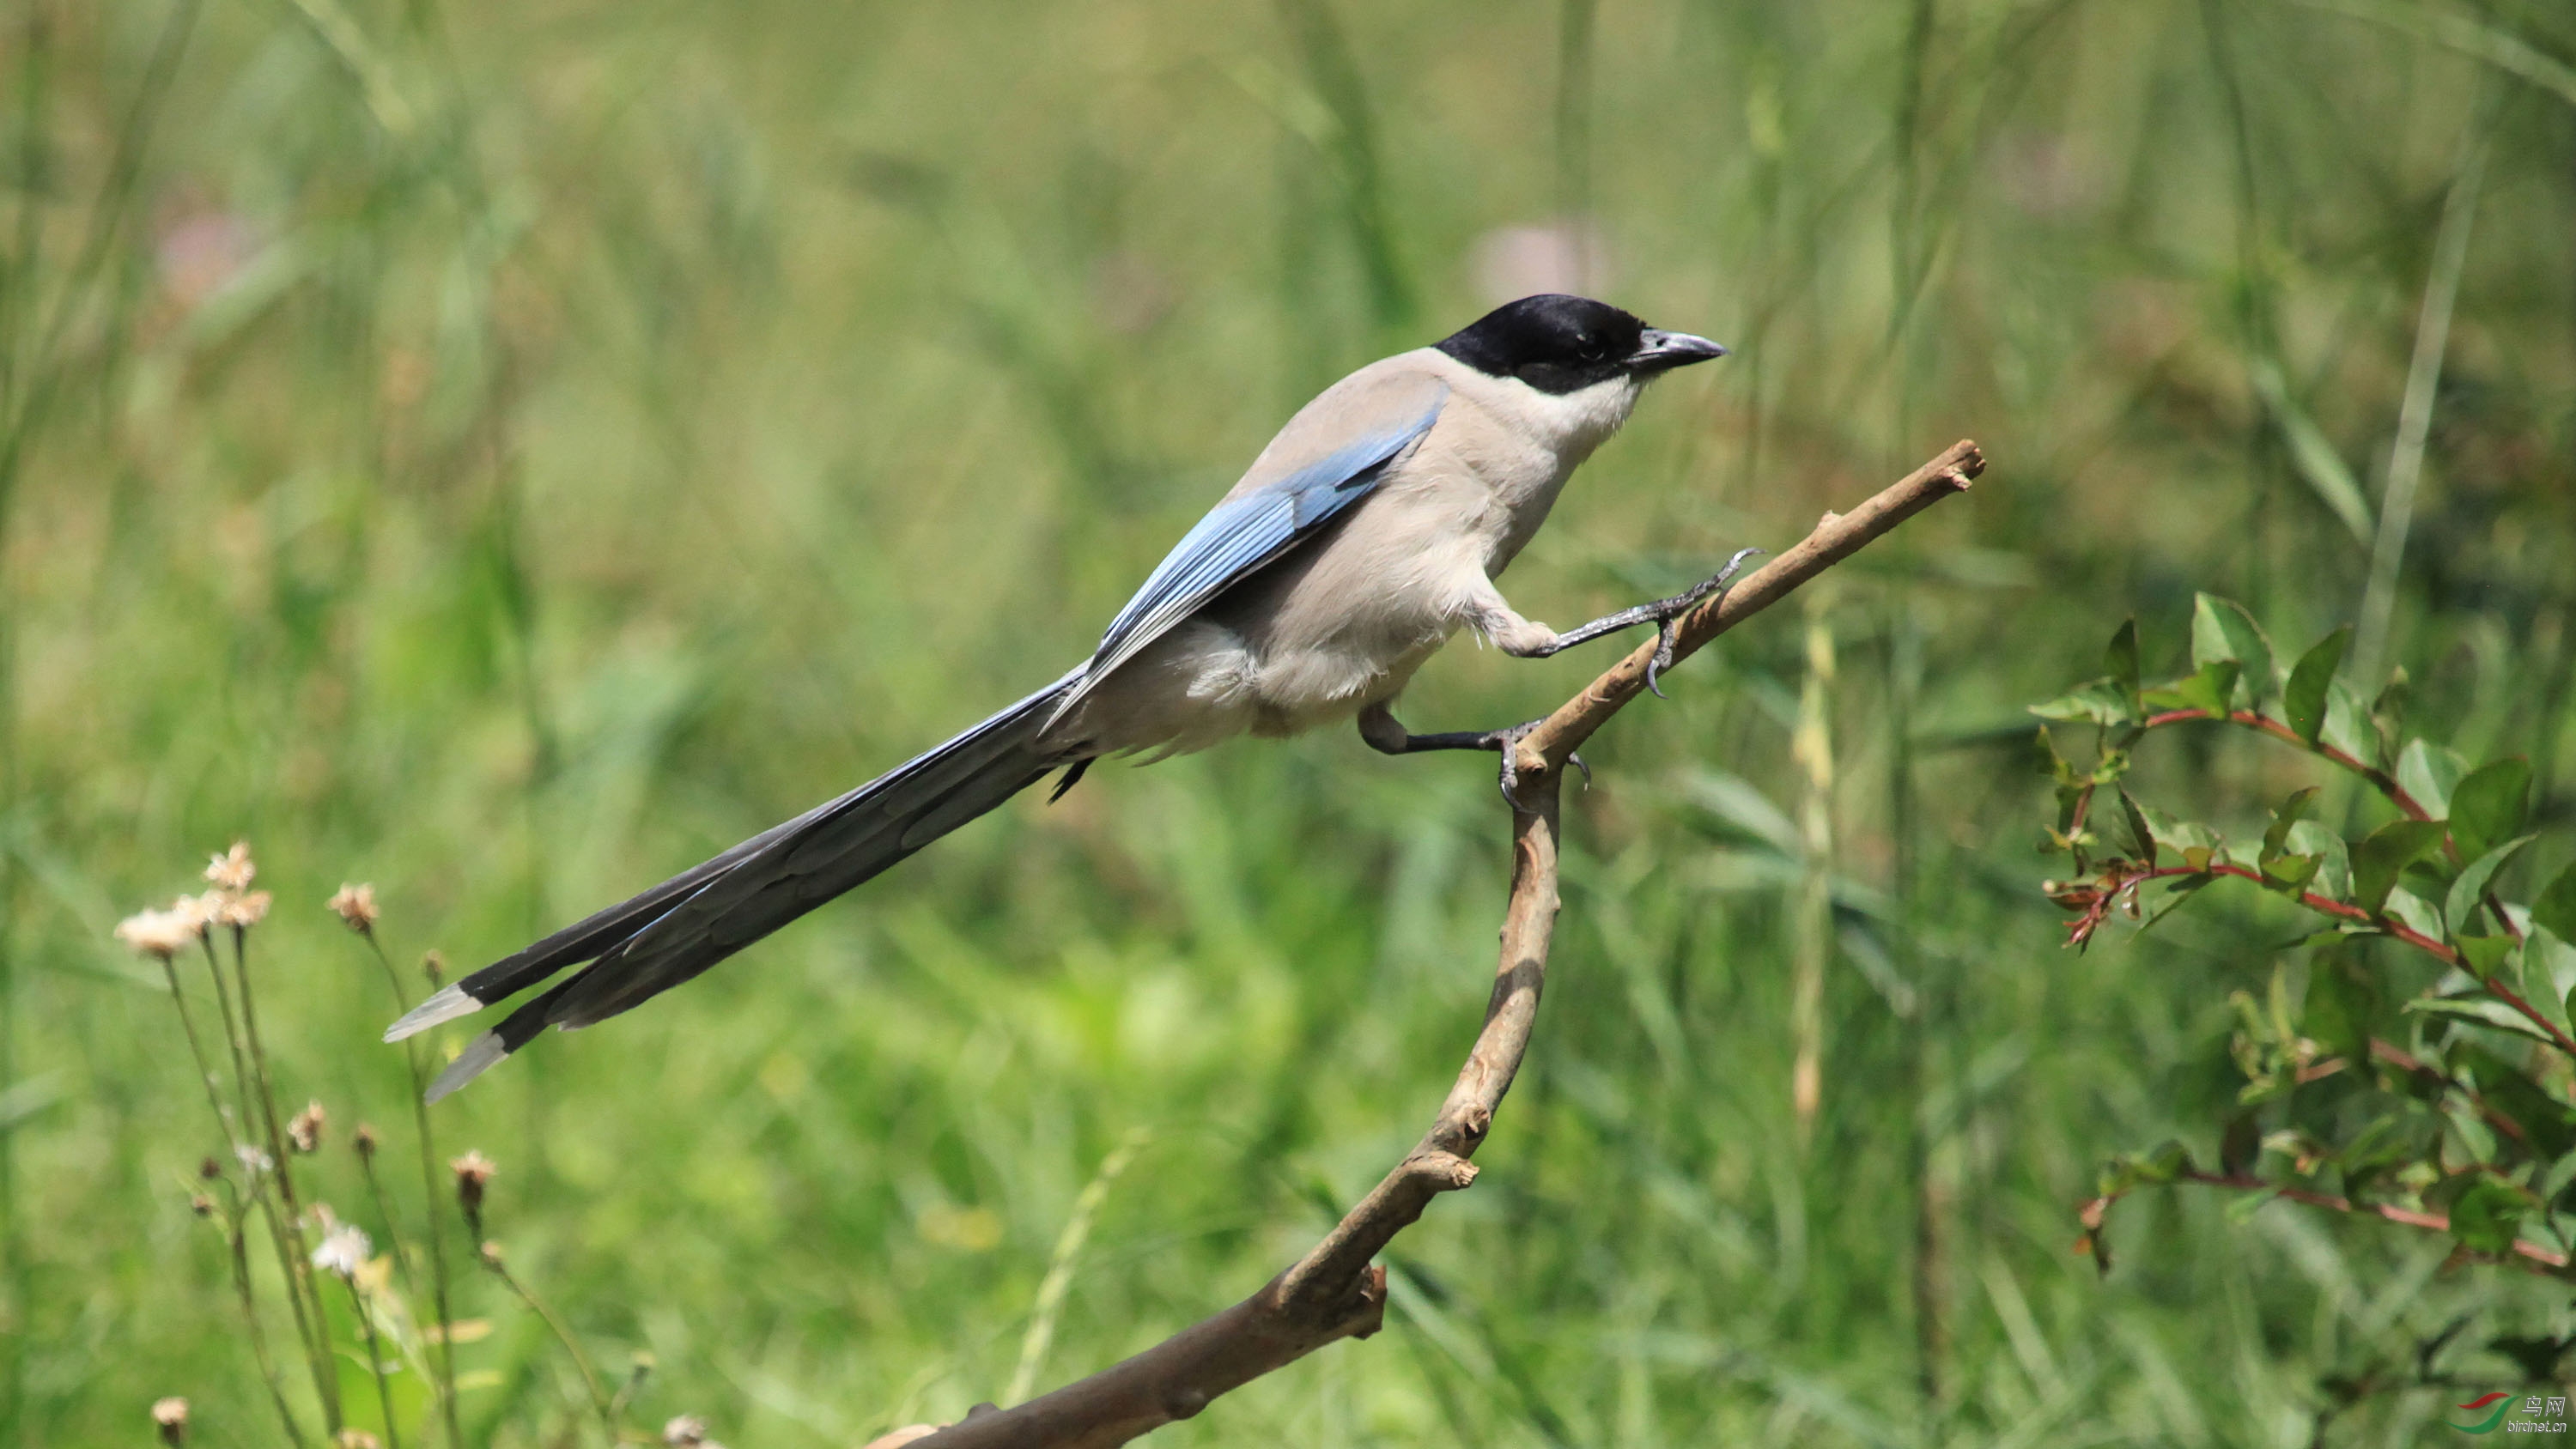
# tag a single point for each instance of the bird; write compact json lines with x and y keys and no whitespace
{"x":1368,"y":533}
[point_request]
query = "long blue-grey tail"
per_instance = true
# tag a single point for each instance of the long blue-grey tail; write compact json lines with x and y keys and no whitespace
{"x":642,"y":947}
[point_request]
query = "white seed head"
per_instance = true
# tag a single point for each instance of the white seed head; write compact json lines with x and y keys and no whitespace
{"x":157,"y":933}
{"x":344,"y":1251}
{"x":304,"y":1129}
{"x":232,"y":870}
{"x":243,"y":911}
{"x":356,"y":905}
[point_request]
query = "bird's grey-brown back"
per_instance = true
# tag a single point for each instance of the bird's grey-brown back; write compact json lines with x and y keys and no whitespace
{"x":1342,"y":623}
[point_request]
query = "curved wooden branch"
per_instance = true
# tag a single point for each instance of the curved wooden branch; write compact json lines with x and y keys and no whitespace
{"x":1335,"y":1291}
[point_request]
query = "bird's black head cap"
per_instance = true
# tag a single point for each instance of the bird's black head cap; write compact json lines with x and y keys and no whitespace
{"x":1560,"y":344}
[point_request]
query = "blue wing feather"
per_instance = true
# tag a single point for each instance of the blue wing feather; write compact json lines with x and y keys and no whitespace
{"x":1242,"y":534}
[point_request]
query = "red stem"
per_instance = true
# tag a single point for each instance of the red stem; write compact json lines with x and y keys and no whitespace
{"x":2327,"y":905}
{"x":2385,"y":782}
{"x":2437,"y":1222}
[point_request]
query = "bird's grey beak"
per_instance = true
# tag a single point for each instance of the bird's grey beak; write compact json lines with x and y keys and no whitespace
{"x":1659,"y":351}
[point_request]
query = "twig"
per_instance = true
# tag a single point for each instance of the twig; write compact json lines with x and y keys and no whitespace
{"x":2344,"y":910}
{"x":2405,"y":1061}
{"x":2430,"y":1076}
{"x":2544,"y":1258}
{"x":1335,"y":1292}
{"x":1836,"y":537}
{"x":2380,"y":779}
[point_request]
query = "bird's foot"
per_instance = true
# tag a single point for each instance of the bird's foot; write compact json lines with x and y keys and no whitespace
{"x":1668,"y":614}
{"x":1384,"y":734}
{"x":1508,"y":743}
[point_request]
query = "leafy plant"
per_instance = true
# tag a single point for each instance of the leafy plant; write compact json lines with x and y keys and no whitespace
{"x":2411,"y":1058}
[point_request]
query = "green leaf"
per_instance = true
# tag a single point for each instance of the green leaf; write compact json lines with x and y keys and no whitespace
{"x":2290,"y":813}
{"x":2484,"y":955}
{"x":2348,"y":725}
{"x":2120,"y":661}
{"x":2289,"y":874}
{"x":2489,"y":806}
{"x":2222,"y":630}
{"x":2384,"y":853}
{"x":2047,"y":762}
{"x":2103,"y":701}
{"x":2240,"y":1147}
{"x":2388,"y":711}
{"x":2241,"y":1210}
{"x":2419,"y":913}
{"x":2548,"y":1125}
{"x":2554,"y":909}
{"x":2382,"y":1146}
{"x":2170,"y":1160}
{"x":2174,"y":833}
{"x":2304,"y":700}
{"x":2180,"y":891}
{"x":2315,"y":458}
{"x":2483,"y":1011}
{"x":2211,"y":689}
{"x":2487,"y":1215}
{"x":2428,"y":772}
{"x":2536,"y":1356}
{"x":2130,"y":836}
{"x":2343,"y":1003}
{"x":2334,"y":863}
{"x":2460,"y":905}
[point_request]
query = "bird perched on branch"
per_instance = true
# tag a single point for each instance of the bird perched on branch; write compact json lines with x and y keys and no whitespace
{"x":1368,"y":532}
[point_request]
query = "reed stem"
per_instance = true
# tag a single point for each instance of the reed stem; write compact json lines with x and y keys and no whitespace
{"x":299,"y":1263}
{"x":599,"y":1400}
{"x":429,"y":1180}
{"x":375,"y":1360}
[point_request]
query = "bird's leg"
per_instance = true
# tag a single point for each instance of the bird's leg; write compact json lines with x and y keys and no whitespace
{"x":1387,"y":735}
{"x":1535,"y":641}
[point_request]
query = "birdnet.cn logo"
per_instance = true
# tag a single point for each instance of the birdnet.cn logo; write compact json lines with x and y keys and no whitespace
{"x":2539,"y":1416}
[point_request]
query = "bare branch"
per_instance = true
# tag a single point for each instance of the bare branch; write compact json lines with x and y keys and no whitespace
{"x":1335,"y":1291}
{"x":1836,"y":537}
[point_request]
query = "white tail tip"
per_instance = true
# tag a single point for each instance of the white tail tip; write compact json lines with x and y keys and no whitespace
{"x":445,"y":1004}
{"x":479,"y":1056}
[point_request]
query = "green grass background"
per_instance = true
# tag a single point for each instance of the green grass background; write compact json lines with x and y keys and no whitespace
{"x":507,"y":452}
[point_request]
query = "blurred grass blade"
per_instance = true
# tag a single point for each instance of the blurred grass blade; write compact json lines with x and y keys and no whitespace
{"x":2470,"y":37}
{"x":2423,"y":376}
{"x":2318,"y":463}
{"x":23,"y":1101}
{"x":366,"y":65}
{"x":1059,"y":1274}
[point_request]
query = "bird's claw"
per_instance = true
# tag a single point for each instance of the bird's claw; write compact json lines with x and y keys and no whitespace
{"x":1507,"y":742}
{"x":1669,"y":613}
